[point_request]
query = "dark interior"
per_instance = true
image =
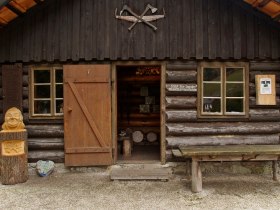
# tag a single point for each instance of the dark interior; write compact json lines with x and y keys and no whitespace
{"x":138,"y":101}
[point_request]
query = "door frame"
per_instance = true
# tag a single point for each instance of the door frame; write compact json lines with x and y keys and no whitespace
{"x":162,"y":65}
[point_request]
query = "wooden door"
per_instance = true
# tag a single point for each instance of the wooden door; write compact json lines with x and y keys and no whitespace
{"x":87,"y":115}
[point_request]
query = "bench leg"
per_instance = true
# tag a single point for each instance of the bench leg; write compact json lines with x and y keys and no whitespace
{"x":196,"y":176}
{"x":275,"y":170}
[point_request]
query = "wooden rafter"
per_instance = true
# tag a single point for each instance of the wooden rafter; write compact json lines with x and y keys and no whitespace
{"x":11,"y":9}
{"x":269,"y":7}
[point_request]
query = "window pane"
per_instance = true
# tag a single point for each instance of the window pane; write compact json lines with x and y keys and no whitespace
{"x":211,"y":89}
{"x":59,"y":91}
{"x":234,"y":105}
{"x":212,"y":105}
{"x":59,"y":106}
{"x":59,"y":76}
{"x":42,"y":76}
{"x":42,"y":107}
{"x":234,"y":74}
{"x":234,"y":90}
{"x":42,"y":91}
{"x":211,"y":74}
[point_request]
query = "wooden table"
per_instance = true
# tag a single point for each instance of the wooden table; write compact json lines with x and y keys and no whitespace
{"x":228,"y":153}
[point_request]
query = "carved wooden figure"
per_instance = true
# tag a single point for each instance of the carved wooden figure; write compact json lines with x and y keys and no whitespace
{"x":13,"y":139}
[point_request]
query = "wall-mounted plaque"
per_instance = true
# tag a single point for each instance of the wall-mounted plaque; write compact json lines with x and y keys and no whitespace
{"x":265,"y":90}
{"x":12,"y":147}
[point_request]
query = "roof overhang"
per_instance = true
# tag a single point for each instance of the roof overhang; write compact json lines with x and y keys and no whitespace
{"x":11,"y":9}
{"x":269,"y":7}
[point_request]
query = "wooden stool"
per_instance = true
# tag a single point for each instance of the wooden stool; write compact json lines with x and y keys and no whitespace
{"x":127,"y":147}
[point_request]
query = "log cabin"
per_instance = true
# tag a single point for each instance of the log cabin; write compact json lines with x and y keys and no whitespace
{"x":88,"y":74}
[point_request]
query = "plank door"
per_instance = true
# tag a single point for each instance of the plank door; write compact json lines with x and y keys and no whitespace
{"x":87,"y":115}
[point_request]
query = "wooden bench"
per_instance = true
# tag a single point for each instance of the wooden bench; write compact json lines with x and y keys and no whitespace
{"x":228,"y":153}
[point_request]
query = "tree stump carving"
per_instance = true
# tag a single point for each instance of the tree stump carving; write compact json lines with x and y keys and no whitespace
{"x":13,"y":149}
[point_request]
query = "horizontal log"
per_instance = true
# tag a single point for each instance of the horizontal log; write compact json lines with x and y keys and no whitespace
{"x":25,"y":92}
{"x":45,"y":143}
{"x":147,"y":79}
{"x":45,"y":131}
{"x":219,"y":128}
{"x":136,"y":93}
{"x":191,"y":65}
{"x":264,"y":114}
{"x":175,"y":141}
{"x":25,"y":105}
{"x":25,"y":117}
{"x":139,"y":116}
{"x":254,"y":73}
{"x":252,"y":102}
{"x":139,"y":124}
{"x":181,"y":115}
{"x":180,"y":102}
{"x":55,"y":155}
{"x":25,"y":80}
{"x":181,"y":76}
{"x":181,"y":89}
{"x":270,"y":66}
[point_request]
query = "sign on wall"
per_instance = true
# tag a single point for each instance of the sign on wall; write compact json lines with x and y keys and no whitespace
{"x":265,"y":90}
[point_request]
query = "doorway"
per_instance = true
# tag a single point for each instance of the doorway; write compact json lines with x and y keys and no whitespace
{"x":138,"y":101}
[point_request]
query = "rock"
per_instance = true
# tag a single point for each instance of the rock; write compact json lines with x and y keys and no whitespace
{"x":44,"y":168}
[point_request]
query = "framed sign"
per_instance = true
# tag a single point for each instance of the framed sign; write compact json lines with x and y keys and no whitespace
{"x":265,"y":90}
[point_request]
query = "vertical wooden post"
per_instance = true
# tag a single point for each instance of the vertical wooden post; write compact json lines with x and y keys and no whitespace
{"x":275,"y":170}
{"x":196,"y":176}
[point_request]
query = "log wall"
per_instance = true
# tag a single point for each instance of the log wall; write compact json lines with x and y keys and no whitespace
{"x":184,"y":128}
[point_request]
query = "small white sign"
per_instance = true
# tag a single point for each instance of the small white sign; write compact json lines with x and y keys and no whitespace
{"x":265,"y":86}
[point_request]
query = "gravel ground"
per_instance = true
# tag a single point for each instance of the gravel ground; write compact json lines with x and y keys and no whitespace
{"x":91,"y":190}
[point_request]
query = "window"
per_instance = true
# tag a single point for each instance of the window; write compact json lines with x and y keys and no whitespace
{"x":223,"y":89}
{"x":46,"y":92}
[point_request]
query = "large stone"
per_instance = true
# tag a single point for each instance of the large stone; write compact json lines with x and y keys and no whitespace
{"x":44,"y":168}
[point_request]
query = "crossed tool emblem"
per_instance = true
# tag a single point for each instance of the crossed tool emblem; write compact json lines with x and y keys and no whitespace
{"x":135,"y":18}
